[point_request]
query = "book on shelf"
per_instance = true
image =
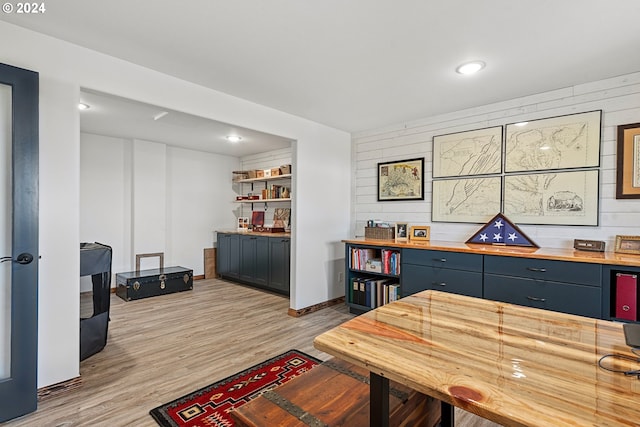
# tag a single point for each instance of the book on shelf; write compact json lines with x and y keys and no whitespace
{"x":360,"y":256}
{"x":373,"y":292}
{"x":391,"y":262}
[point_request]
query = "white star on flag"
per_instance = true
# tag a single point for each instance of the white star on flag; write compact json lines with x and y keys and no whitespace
{"x":498,"y":224}
{"x":513,"y":237}
{"x":483,"y":237}
{"x":497,"y":237}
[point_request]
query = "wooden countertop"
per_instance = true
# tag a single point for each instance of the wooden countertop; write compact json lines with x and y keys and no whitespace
{"x":612,"y":258}
{"x":255,"y":233}
{"x":517,"y":366}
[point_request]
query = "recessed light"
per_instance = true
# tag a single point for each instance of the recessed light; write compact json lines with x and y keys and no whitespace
{"x":234,"y":138}
{"x":83,"y":106}
{"x":470,"y":67}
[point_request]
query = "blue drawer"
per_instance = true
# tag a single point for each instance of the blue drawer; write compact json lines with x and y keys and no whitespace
{"x":416,"y":278}
{"x":542,"y":269}
{"x":562,"y":297}
{"x":443,"y":259}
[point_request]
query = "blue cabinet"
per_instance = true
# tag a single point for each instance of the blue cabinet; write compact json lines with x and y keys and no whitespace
{"x":257,"y":260}
{"x":454,"y":272}
{"x":573,"y":287}
{"x":568,"y":287}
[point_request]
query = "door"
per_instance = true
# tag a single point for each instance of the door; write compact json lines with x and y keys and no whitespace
{"x":18,"y":241}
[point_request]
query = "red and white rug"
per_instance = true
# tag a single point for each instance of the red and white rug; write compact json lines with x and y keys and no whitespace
{"x":210,"y":405}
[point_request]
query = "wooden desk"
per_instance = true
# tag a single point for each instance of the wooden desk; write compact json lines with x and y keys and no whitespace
{"x":514,"y":365}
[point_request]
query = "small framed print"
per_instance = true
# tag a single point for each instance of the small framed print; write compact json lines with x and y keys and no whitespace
{"x":627,"y":244}
{"x":401,"y":231}
{"x":419,"y":232}
{"x":243,"y":223}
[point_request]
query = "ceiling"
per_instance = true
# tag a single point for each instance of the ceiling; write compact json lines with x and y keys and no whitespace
{"x":359,"y":64}
{"x":124,"y":118}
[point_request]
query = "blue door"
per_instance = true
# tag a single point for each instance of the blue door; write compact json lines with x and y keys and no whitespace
{"x":18,"y":241}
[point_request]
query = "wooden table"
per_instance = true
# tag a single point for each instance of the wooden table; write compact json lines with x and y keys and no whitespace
{"x":514,"y":365}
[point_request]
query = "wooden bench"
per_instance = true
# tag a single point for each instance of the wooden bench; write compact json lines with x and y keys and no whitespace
{"x":335,"y":393}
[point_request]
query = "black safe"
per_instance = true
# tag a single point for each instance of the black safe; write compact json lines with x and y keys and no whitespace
{"x":134,"y":285}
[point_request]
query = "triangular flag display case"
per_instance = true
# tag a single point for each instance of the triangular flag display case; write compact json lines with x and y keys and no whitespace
{"x":500,"y":231}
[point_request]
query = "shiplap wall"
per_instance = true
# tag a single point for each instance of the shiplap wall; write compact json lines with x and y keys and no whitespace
{"x":268,"y":160}
{"x":619,"y":100}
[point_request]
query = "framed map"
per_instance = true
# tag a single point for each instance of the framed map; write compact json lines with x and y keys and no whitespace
{"x":473,"y":200}
{"x":628,"y":162}
{"x":564,"y":142}
{"x":401,"y":180}
{"x":560,"y":198}
{"x":476,"y":152}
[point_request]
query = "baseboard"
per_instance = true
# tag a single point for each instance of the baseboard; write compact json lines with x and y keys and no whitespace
{"x":58,"y":388}
{"x":316,"y":307}
{"x":199,"y":277}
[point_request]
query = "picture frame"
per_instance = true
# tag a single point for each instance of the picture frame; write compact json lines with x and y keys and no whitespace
{"x":420,"y":232}
{"x":243,"y":223}
{"x":469,"y":153}
{"x":628,"y":162}
{"x":562,"y":142}
{"x":473,"y":199}
{"x":401,"y":180}
{"x":553,"y":198}
{"x":627,"y":244}
{"x":402,"y":231}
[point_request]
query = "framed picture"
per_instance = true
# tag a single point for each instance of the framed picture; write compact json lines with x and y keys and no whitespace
{"x":628,"y":162}
{"x":257,"y":218}
{"x":476,"y":152}
{"x":557,"y":198}
{"x":628,"y":244}
{"x":402,"y":231}
{"x":401,"y":180}
{"x":243,"y":223}
{"x":564,"y":142}
{"x":419,"y":232}
{"x":474,"y":200}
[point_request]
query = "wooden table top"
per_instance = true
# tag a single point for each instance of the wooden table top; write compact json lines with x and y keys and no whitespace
{"x":559,"y":254}
{"x":517,"y":366}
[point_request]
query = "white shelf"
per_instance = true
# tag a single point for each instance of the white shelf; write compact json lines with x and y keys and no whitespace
{"x":263,"y":200}
{"x":263,"y":179}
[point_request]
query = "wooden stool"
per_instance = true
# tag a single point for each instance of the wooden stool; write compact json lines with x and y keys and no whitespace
{"x":335,"y":393}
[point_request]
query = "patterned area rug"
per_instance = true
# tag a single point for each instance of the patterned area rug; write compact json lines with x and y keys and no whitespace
{"x":210,"y":405}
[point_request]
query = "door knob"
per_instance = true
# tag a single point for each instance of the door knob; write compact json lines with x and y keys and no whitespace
{"x":23,"y":258}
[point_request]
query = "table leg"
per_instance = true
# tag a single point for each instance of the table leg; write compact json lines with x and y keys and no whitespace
{"x":378,"y":401}
{"x":447,"y":415}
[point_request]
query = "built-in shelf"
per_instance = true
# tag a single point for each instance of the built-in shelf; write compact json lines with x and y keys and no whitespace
{"x":263,"y":179}
{"x":264,"y":200}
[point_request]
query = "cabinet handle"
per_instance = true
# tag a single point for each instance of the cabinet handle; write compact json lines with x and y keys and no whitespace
{"x":443,"y":284}
{"x":537,"y":270}
{"x":536,"y":299}
{"x":440,"y":259}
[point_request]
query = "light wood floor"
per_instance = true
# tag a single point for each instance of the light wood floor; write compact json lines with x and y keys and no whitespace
{"x":164,"y":347}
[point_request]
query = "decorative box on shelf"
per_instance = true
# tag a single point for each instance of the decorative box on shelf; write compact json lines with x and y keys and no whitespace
{"x":374,"y":265}
{"x":383,"y":233}
{"x":262,"y":229}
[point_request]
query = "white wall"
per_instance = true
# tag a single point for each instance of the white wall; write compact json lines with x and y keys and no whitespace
{"x":618,"y":98}
{"x":146,"y":197}
{"x":65,"y":68}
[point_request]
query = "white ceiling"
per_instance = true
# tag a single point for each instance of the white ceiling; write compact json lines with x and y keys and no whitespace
{"x":124,"y":118}
{"x":359,"y":64}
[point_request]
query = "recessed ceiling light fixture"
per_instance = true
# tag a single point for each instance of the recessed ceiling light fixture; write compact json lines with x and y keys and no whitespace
{"x":470,"y":67}
{"x":160,"y":115}
{"x":234,"y":138}
{"x":83,"y":106}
